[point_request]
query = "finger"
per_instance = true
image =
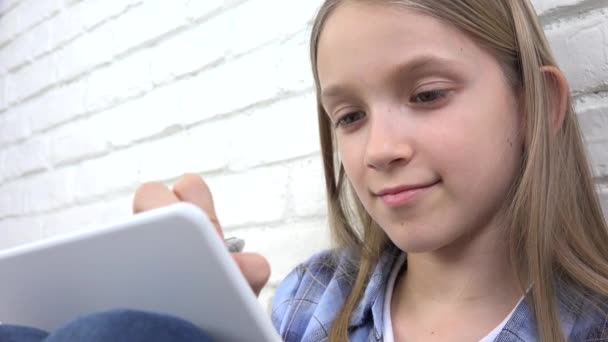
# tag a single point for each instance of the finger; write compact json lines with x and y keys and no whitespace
{"x":191,"y":188}
{"x":255,"y":268}
{"x":152,"y":195}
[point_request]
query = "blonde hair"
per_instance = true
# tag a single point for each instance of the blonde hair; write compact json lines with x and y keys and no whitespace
{"x":556,"y":229}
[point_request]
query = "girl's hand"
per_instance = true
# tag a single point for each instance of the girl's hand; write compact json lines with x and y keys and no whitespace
{"x":191,"y":188}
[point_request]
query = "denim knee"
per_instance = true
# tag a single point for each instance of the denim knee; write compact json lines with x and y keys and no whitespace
{"x":13,"y":333}
{"x":129,"y":326}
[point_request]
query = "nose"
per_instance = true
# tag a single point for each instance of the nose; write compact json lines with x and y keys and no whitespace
{"x":388,"y":143}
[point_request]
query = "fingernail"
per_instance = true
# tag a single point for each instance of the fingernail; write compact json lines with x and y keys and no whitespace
{"x":234,"y":244}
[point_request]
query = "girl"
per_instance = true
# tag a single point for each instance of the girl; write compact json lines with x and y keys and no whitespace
{"x":448,"y":134}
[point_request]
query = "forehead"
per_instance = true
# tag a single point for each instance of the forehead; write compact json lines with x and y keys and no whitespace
{"x":372,"y":38}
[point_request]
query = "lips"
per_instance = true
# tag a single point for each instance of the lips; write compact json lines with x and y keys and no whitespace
{"x":404,"y":194}
{"x":402,"y":188}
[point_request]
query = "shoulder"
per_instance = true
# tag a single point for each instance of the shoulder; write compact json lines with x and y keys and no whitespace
{"x":591,"y":323}
{"x":313,"y":293}
{"x":311,"y":296}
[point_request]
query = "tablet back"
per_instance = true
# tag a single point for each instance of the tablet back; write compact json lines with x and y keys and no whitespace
{"x":169,"y":260}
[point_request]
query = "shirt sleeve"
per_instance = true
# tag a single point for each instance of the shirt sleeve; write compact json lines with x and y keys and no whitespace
{"x":283,"y":299}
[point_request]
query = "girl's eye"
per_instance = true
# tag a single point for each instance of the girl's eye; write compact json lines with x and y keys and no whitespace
{"x":349,"y":119}
{"x":427,"y":97}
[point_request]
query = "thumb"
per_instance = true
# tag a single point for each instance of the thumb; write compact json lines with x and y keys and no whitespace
{"x":255,"y":268}
{"x":191,"y":188}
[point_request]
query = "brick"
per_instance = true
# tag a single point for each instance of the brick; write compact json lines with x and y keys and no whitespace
{"x":131,"y":75}
{"x":114,"y":122}
{"x":2,"y":96}
{"x":50,"y":190}
{"x":240,"y":31}
{"x":284,"y":130}
{"x":37,"y":41}
{"x":32,"y":12}
{"x":12,"y":201}
{"x":248,"y":31}
{"x":70,"y":220}
{"x":31,"y":44}
{"x":86,"y":52}
{"x":27,"y":157}
{"x":76,"y":141}
{"x":230,"y":87}
{"x":144,"y":117}
{"x":307,"y":188}
{"x":55,"y":106}
{"x":544,"y":6}
{"x":581,"y":51}
{"x":85,"y":217}
{"x":13,"y":127}
{"x":88,"y":14}
{"x":7,"y":5}
{"x":109,"y":174}
{"x":292,"y":69}
{"x":195,"y":10}
{"x":19,"y":231}
{"x":164,"y":158}
{"x":190,"y":50}
{"x":302,"y":240}
{"x":101,"y":89}
{"x":6,"y":54}
{"x":237,"y":85}
{"x":10,"y":23}
{"x":14,"y":54}
{"x":64,"y":27}
{"x":206,"y":147}
{"x":197,"y":150}
{"x":593,"y":118}
{"x":256,"y":196}
{"x":122,"y":79}
{"x":604,"y":199}
{"x":116,"y":209}
{"x":31,"y":79}
{"x":282,"y":70}
{"x":37,"y":193}
{"x":599,"y":157}
{"x":147,"y":27}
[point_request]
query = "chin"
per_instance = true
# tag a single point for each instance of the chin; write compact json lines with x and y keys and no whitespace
{"x":415,"y":241}
{"x":417,"y":247}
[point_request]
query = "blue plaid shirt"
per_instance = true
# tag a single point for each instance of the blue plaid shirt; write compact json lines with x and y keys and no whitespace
{"x":308,"y":300}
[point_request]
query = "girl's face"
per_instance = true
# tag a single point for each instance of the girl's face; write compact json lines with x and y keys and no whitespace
{"x":427,"y":126}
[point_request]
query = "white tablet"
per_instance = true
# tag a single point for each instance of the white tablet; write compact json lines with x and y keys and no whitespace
{"x":168,"y":260}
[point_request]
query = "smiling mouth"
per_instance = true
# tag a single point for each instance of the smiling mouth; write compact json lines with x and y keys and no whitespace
{"x":400,"y":196}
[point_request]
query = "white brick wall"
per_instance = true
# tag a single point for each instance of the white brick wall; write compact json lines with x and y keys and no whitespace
{"x":98,"y":96}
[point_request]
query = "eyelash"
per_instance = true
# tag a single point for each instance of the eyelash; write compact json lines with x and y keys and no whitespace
{"x":341,"y":122}
{"x":435,"y":94}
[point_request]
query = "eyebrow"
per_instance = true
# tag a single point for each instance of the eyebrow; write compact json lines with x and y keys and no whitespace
{"x":422,"y":62}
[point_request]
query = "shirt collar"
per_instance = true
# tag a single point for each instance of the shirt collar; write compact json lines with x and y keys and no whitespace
{"x":372,"y":303}
{"x":522,"y":323}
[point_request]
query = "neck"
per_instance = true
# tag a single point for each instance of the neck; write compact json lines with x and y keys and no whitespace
{"x":472,"y":272}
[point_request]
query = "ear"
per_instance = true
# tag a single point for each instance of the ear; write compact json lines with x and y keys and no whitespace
{"x":557,"y":96}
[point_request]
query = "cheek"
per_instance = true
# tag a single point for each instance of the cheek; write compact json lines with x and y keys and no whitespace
{"x":351,"y":154}
{"x":482,"y":163}
{"x":482,"y":130}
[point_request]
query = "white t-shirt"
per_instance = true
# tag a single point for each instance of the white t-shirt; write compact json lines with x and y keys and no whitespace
{"x":388,"y":323}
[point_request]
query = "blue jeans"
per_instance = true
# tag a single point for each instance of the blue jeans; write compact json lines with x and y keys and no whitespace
{"x":114,"y":326}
